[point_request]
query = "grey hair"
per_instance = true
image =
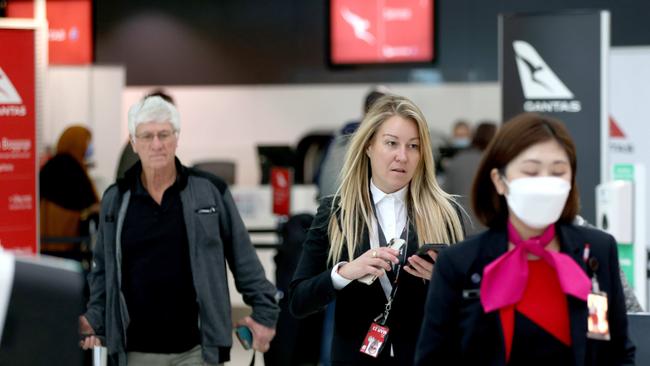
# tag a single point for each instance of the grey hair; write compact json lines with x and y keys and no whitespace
{"x":153,"y":109}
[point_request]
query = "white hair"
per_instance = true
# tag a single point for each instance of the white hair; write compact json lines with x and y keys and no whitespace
{"x":153,"y":109}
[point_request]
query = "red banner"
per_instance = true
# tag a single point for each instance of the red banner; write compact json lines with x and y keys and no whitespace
{"x":70,"y":28}
{"x":18,"y":215}
{"x":281,"y":188}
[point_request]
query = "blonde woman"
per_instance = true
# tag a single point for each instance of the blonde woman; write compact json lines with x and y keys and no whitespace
{"x":388,"y":191}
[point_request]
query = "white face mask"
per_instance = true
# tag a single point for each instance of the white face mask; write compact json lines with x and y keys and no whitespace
{"x":537,"y":201}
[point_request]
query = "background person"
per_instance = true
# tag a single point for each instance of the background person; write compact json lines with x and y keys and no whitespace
{"x":159,"y":290}
{"x":67,"y":194}
{"x":461,"y":138}
{"x":461,"y":135}
{"x":388,"y":190}
{"x":517,"y":294}
{"x":329,"y":176}
{"x":460,"y":171}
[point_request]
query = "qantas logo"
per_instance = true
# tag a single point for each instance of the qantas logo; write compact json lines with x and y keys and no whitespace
{"x":359,"y":25}
{"x":11,"y":104}
{"x":618,"y":141}
{"x":8,"y":94}
{"x":537,"y":79}
{"x":615,"y":131}
{"x":544,"y":91}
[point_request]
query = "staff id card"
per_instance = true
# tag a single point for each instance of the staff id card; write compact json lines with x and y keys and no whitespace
{"x":598,"y":326}
{"x":375,"y":340}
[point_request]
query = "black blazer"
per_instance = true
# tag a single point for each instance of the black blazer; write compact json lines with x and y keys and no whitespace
{"x":456,"y":331}
{"x":357,"y":304}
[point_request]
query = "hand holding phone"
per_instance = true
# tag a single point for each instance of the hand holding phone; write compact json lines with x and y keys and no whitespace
{"x":245,"y":336}
{"x":423,"y":251}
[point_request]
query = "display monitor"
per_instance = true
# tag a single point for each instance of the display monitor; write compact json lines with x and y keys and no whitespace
{"x":41,"y":325}
{"x":381,"y":31}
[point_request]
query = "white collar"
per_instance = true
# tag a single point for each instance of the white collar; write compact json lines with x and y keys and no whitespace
{"x":378,"y":194}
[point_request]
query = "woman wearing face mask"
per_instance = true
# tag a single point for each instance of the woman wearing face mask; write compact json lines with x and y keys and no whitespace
{"x":388,"y":191}
{"x":518,"y":294}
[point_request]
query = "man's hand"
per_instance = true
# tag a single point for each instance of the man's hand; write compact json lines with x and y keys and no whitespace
{"x":262,"y":335}
{"x":88,"y":333}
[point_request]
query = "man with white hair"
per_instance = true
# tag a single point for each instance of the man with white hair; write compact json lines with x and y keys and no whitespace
{"x":158,"y":285}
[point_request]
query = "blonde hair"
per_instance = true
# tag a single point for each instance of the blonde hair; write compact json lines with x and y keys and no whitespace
{"x":429,"y":207}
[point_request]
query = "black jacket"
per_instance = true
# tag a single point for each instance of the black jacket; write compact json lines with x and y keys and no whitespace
{"x":456,"y":331}
{"x":357,"y":304}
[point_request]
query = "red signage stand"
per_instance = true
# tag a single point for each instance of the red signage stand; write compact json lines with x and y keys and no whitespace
{"x":19,"y":72}
{"x":281,"y":179}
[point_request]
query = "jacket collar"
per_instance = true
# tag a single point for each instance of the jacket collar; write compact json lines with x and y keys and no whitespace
{"x":133,"y":173}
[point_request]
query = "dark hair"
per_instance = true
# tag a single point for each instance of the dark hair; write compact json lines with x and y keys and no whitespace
{"x":483,"y":135}
{"x":371,"y":98}
{"x":515,"y":136}
{"x":160,"y":93}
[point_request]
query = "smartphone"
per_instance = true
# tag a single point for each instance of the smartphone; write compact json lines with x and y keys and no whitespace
{"x":396,"y":244}
{"x":425,"y":248}
{"x":245,"y":336}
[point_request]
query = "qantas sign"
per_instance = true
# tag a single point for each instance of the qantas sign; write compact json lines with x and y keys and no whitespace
{"x":544,"y":91}
{"x":11,"y":104}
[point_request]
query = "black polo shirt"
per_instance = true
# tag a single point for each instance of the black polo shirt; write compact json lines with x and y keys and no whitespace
{"x":157,"y":275}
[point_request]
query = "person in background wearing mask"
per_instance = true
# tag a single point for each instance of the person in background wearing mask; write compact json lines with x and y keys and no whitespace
{"x":460,"y":170}
{"x":521,"y":292}
{"x":461,"y":135}
{"x":67,"y":194}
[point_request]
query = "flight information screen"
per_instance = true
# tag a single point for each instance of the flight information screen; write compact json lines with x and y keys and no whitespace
{"x":381,"y":31}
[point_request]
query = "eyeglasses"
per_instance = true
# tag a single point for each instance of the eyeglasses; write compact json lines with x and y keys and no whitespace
{"x":163,"y":136}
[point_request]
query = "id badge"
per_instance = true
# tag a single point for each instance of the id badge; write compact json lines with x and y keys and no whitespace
{"x":598,"y":327}
{"x":375,"y":340}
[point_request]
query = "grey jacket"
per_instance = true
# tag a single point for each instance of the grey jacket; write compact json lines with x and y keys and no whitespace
{"x":216,"y":235}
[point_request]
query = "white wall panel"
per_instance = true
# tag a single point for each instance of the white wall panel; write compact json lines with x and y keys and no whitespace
{"x":227,"y":122}
{"x":90,"y":96}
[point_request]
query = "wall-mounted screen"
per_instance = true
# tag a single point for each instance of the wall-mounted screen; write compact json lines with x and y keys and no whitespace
{"x":381,"y":31}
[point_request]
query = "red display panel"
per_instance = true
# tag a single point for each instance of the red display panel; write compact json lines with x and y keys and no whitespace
{"x":70,"y":28}
{"x":381,"y":31}
{"x":18,"y":214}
{"x":281,"y":179}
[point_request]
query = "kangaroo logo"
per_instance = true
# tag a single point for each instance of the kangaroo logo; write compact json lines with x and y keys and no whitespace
{"x":8,"y":94}
{"x":537,"y":79}
{"x":359,"y":25}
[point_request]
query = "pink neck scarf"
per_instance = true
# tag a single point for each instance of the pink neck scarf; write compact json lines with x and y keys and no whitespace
{"x":505,"y":279}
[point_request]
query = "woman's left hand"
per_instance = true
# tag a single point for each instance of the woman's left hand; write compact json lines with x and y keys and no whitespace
{"x":420,"y":267}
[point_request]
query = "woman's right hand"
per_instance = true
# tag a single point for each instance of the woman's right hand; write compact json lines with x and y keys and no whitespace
{"x":89,"y":340}
{"x":375,"y":262}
